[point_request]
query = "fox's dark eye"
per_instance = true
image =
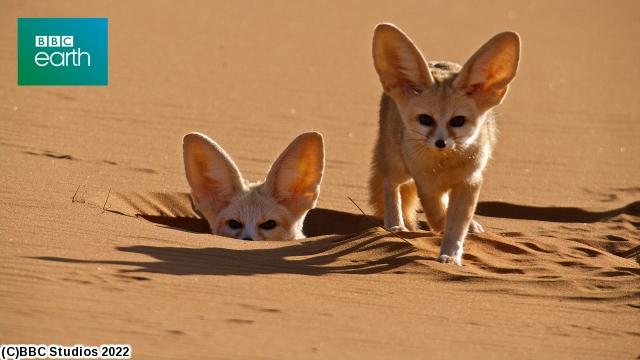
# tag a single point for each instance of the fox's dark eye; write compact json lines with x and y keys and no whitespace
{"x":234,"y":224}
{"x":425,"y":120}
{"x":457,"y":121}
{"x":268,"y":225}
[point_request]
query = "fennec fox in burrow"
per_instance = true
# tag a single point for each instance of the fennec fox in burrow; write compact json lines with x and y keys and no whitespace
{"x":437,"y":132}
{"x":270,"y":210}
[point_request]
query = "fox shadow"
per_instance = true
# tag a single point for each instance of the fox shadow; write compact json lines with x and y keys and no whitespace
{"x":318,"y":257}
{"x":506,"y":210}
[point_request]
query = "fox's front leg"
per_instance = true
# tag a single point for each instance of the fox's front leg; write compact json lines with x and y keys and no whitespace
{"x":434,"y":206}
{"x":462,"y":204}
{"x":393,"y":220}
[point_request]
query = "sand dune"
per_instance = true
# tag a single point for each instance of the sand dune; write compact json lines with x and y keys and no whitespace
{"x":100,"y":244}
{"x":599,"y":263}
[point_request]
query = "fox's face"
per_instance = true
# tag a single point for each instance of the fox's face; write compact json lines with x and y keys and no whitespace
{"x":256,"y":215}
{"x":272,"y":210}
{"x":441,"y":118}
{"x":442,"y":104}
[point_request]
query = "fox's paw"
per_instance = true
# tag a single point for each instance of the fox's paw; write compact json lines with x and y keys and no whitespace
{"x":446,"y":259}
{"x":396,"y":229}
{"x":475,"y":227}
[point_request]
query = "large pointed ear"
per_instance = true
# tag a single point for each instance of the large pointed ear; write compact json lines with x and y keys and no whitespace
{"x":398,"y":61}
{"x":213,"y":177}
{"x":485,"y":77}
{"x":294,"y":178}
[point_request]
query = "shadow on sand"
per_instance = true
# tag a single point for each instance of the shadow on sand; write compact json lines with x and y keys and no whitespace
{"x":552,"y":214}
{"x":331,"y":222}
{"x":316,"y":257}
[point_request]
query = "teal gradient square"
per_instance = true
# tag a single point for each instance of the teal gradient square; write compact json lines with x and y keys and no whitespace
{"x":90,"y":35}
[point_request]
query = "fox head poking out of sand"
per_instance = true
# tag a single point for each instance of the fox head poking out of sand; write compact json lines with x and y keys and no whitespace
{"x":271,"y":210}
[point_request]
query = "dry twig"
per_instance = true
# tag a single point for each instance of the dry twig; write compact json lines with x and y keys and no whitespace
{"x":394,"y":233}
{"x":105,"y":201}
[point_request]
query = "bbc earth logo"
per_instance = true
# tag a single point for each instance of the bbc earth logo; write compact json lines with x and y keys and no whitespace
{"x":63,"y":51}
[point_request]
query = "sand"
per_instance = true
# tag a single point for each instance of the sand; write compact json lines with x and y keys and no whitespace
{"x":100,"y":245}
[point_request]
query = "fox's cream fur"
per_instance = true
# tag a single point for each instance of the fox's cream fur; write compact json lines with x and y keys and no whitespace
{"x":437,"y":132}
{"x":270,"y":210}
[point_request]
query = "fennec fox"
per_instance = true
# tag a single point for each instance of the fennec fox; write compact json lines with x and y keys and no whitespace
{"x":270,"y":210}
{"x":437,"y":132}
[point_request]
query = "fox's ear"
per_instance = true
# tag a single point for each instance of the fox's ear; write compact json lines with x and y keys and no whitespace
{"x":485,"y":77}
{"x":398,"y":61}
{"x":213,"y":177}
{"x":294,"y":178}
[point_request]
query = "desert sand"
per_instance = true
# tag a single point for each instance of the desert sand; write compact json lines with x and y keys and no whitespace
{"x":99,"y":243}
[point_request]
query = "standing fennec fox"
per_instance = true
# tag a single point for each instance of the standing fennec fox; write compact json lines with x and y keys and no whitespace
{"x":437,"y":132}
{"x":271,"y":210}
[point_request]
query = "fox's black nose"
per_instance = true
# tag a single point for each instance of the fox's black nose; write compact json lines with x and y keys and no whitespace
{"x":247,"y":238}
{"x":440,"y":143}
